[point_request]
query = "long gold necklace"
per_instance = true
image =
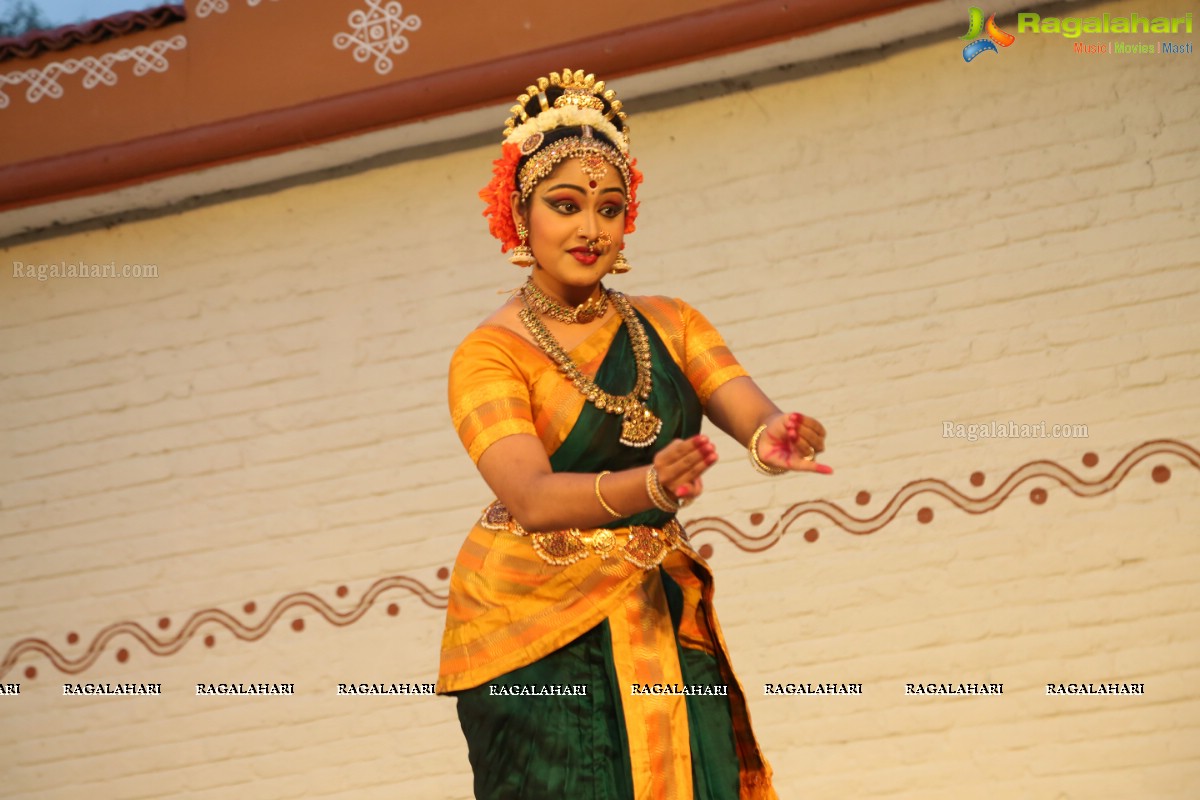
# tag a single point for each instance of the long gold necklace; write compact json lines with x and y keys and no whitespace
{"x":585,"y":312}
{"x":639,"y":426}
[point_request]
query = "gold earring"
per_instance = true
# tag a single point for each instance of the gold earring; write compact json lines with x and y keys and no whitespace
{"x":620,"y":266}
{"x":522,"y":254}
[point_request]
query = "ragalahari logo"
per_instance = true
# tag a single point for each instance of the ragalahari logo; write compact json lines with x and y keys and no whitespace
{"x":994,"y":37}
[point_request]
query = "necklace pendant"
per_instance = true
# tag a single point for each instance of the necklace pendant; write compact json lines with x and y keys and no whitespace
{"x":587,"y":311}
{"x":639,"y":427}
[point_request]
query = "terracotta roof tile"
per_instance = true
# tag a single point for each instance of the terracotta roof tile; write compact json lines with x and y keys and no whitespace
{"x":34,"y":43}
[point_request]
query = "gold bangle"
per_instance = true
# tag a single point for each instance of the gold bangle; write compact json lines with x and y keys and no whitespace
{"x":615,"y":514}
{"x":759,"y":464}
{"x":658,"y":493}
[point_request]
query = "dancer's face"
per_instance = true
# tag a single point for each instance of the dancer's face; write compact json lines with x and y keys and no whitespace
{"x":576,"y":225}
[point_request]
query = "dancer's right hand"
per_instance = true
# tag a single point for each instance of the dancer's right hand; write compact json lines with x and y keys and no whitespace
{"x":681,"y":463}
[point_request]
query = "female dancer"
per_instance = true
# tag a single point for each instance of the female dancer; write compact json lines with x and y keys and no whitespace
{"x":581,"y":641}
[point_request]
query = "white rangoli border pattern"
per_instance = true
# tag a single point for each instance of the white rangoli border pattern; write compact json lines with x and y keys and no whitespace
{"x":378,"y":33}
{"x":43,"y":82}
{"x":206,"y":7}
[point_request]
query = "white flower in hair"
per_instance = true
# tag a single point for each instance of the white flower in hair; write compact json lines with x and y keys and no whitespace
{"x":568,"y":116}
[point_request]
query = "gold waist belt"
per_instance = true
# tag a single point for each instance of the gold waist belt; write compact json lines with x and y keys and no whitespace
{"x":640,"y":545}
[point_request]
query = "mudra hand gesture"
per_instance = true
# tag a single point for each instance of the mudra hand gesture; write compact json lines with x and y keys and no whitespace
{"x":791,"y":442}
{"x":680,"y":465}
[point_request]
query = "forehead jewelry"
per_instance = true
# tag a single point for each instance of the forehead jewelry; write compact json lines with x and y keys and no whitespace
{"x":595,"y":157}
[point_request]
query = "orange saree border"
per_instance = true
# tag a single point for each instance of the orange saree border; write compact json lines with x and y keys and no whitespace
{"x":642,"y":645}
{"x":688,"y":569}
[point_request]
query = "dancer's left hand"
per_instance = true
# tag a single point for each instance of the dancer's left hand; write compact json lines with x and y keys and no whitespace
{"x":793,"y":441}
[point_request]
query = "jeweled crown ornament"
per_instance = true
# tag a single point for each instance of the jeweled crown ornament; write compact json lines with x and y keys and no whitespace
{"x":580,"y":91}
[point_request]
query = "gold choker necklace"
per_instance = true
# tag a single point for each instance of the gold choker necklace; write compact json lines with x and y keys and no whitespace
{"x":585,"y":312}
{"x":640,"y":427}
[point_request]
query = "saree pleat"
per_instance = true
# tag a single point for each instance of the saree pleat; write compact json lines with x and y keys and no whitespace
{"x":602,"y":623}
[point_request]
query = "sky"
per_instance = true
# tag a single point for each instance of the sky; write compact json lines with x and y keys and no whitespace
{"x":63,"y":12}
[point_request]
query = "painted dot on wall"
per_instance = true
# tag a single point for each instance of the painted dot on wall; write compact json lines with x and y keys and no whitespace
{"x":393,"y":609}
{"x":1161,"y":474}
{"x":210,"y":640}
{"x":342,"y":591}
{"x":862,"y":498}
{"x":1038,"y":495}
{"x":1090,"y":459}
{"x":811,"y":535}
{"x":249,"y":607}
{"x":122,"y":655}
{"x":977,"y":479}
{"x":72,"y":637}
{"x":925,"y":515}
{"x":443,"y":573}
{"x":757,"y":518}
{"x":164,"y":623}
{"x":31,"y":672}
{"x":705,"y":551}
{"x":297,"y":625}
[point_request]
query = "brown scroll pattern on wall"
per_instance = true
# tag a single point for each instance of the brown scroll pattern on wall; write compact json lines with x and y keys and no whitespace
{"x":210,"y":621}
{"x":818,"y":511}
{"x":215,"y":619}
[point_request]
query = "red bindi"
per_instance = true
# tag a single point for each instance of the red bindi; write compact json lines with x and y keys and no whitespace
{"x":592,"y":184}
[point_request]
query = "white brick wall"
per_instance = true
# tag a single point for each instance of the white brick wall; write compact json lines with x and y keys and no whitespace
{"x":887,"y":241}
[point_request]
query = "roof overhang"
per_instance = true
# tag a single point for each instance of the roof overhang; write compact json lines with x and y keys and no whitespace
{"x":210,"y":151}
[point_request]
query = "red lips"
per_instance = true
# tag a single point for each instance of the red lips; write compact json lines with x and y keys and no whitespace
{"x":584,"y":255}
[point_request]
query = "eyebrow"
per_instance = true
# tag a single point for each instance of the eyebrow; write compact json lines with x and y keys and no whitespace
{"x":581,"y":190}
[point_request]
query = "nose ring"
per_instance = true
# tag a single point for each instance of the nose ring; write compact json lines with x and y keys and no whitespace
{"x":601,"y":243}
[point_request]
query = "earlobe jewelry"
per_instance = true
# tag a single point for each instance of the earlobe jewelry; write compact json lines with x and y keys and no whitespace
{"x":620,"y":266}
{"x":522,"y":254}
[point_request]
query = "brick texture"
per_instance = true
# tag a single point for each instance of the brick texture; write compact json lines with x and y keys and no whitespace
{"x":889,"y":241}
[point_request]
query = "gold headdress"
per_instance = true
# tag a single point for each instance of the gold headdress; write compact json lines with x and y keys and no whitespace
{"x":580,"y":94}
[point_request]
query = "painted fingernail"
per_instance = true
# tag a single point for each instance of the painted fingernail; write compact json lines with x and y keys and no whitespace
{"x":824,"y":469}
{"x":682,"y":491}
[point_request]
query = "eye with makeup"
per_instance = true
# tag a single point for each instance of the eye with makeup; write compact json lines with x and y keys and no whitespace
{"x":566,"y":205}
{"x":563,"y":205}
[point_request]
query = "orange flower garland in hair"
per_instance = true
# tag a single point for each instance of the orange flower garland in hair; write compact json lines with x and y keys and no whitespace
{"x":498,"y":196}
{"x":631,"y":204}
